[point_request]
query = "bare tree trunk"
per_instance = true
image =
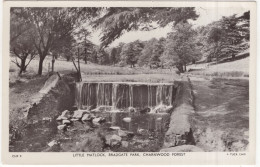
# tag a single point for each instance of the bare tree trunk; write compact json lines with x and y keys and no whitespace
{"x":52,"y":61}
{"x":79,"y":72}
{"x":22,"y":67}
{"x":40,"y":65}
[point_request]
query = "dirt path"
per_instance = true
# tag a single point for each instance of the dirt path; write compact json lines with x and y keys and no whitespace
{"x":222,"y":114}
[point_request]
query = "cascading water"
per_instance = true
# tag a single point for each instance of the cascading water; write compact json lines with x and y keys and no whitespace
{"x":124,"y":95}
{"x":116,"y":98}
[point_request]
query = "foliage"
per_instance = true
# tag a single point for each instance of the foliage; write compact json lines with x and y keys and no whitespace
{"x":180,"y":47}
{"x":225,"y":37}
{"x":21,"y":45}
{"x":51,"y":27}
{"x":131,"y":52}
{"x":116,"y":21}
{"x":112,"y":57}
{"x":102,"y":57}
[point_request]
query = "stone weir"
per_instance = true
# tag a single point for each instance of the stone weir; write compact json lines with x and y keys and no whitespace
{"x":121,"y":95}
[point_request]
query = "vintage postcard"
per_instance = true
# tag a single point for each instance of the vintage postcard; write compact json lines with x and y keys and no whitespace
{"x":129,"y":82}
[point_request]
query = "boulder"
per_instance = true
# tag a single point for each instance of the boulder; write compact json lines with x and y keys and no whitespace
{"x":115,"y":128}
{"x":65,"y":122}
{"x":113,"y":140}
{"x":60,"y":118}
{"x":143,"y":131}
{"x":131,"y":109}
{"x":47,"y":119}
{"x":52,"y":143}
{"x":61,"y":127}
{"x":86,"y":117}
{"x":125,"y":144}
{"x":79,"y":113}
{"x":127,"y":119}
{"x":98,"y":120}
{"x":74,"y":119}
{"x":64,"y":115}
{"x":122,"y":133}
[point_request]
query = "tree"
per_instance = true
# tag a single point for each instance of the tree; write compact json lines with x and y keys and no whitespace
{"x":131,"y":52}
{"x":21,"y":45}
{"x":82,"y":36}
{"x":158,"y":50}
{"x":225,"y":37}
{"x":180,"y":46}
{"x":51,"y":25}
{"x":23,"y":49}
{"x":102,"y":57}
{"x":115,"y":20}
{"x":113,"y":55}
{"x":147,"y":52}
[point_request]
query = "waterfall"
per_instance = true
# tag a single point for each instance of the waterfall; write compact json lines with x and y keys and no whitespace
{"x":123,"y":95}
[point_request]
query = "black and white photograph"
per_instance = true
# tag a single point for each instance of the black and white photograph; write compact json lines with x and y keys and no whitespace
{"x":131,"y":79}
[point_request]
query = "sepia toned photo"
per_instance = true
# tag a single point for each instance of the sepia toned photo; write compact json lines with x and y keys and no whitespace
{"x":122,"y":80}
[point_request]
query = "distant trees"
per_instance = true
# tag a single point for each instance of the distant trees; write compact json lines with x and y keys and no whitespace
{"x":131,"y":52}
{"x":102,"y":57}
{"x":82,"y":36}
{"x":112,"y":56}
{"x":147,"y":52}
{"x":58,"y":31}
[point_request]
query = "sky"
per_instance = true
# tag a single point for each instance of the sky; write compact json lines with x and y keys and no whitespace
{"x":206,"y":16}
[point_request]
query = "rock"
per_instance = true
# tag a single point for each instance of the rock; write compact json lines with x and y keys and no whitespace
{"x":98,"y":120}
{"x":122,"y":133}
{"x":65,"y":122}
{"x":52,"y":143}
{"x":48,"y":119}
{"x":127,"y":119}
{"x":74,"y":119}
{"x":61,"y":118}
{"x":61,"y":127}
{"x":113,"y":140}
{"x":115,"y":128}
{"x":182,"y":148}
{"x":162,"y":109}
{"x":86,"y":117}
{"x":78,"y":114}
{"x":130,"y":134}
{"x":143,"y":131}
{"x":35,"y":121}
{"x":131,"y":109}
{"x":144,"y":111}
{"x":125,"y":144}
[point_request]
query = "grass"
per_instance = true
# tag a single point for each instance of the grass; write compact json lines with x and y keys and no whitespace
{"x":238,"y":68}
{"x":222,"y":114}
{"x":95,"y":72}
